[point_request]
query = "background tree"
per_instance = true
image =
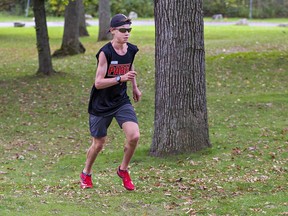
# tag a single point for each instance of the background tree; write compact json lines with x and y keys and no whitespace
{"x":43,"y":47}
{"x":70,"y":41}
{"x":180,"y":124}
{"x":104,"y":20}
{"x":82,"y":22}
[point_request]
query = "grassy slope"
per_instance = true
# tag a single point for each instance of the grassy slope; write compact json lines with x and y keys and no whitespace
{"x":44,"y":132}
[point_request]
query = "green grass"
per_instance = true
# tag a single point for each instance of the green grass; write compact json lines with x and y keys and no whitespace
{"x":44,"y":131}
{"x":6,"y":17}
{"x":235,"y":19}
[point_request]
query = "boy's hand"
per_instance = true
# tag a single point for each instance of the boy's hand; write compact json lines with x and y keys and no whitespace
{"x":129,"y":76}
{"x":137,"y":94}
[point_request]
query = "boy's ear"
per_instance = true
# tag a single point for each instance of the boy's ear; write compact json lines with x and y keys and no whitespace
{"x":110,"y":30}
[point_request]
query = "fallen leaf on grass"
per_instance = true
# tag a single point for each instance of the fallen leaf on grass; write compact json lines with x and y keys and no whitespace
{"x":2,"y":172}
{"x":285,"y":131}
{"x":256,"y":209}
{"x":202,"y":187}
{"x":190,"y":212}
{"x":171,"y":206}
{"x":19,"y":157}
{"x":278,"y":169}
{"x":236,"y":151}
{"x":252,"y":148}
{"x":272,"y":154}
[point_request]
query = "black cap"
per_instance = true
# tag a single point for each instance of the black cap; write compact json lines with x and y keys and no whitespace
{"x":119,"y":20}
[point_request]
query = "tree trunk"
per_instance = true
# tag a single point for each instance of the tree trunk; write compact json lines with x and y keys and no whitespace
{"x":82,"y":22}
{"x":104,"y":20}
{"x":180,"y":124}
{"x":43,"y":47}
{"x":70,"y":41}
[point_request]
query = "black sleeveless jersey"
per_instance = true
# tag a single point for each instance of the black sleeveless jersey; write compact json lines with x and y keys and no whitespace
{"x":106,"y":101}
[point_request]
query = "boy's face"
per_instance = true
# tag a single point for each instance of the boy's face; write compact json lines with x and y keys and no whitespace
{"x":122,"y":33}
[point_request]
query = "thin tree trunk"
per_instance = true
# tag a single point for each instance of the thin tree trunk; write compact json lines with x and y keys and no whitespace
{"x":104,"y":20}
{"x":70,"y":41}
{"x":43,"y":47}
{"x":181,"y":124}
{"x":82,"y":23}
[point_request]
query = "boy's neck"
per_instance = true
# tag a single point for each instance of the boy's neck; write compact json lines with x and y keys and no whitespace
{"x":117,"y":45}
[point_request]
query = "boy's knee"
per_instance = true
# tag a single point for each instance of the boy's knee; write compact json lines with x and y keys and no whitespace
{"x":134,"y":138}
{"x":98,"y":143}
{"x":98,"y":147}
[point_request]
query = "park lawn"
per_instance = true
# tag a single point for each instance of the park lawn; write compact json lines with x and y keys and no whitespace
{"x":44,"y":131}
{"x":6,"y":17}
{"x":254,"y":20}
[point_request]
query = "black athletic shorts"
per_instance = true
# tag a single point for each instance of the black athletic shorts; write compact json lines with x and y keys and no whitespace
{"x":99,"y":124}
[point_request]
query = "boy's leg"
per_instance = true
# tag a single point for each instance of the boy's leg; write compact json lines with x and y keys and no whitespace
{"x":131,"y":131}
{"x":132,"y":134}
{"x":98,"y":129}
{"x":93,"y":151}
{"x":85,"y":175}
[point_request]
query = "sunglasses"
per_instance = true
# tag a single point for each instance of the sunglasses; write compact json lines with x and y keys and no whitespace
{"x":123,"y":30}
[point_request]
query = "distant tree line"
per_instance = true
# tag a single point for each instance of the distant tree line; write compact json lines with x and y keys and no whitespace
{"x":240,"y":8}
{"x":13,"y":7}
{"x":145,"y":8}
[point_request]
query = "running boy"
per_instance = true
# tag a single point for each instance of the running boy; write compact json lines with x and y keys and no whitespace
{"x":109,"y":99}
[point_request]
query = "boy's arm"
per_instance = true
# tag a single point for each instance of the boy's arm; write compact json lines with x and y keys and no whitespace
{"x":136,"y":92}
{"x":101,"y":82}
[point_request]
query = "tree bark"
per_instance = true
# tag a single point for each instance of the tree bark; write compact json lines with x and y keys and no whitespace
{"x":43,"y":47}
{"x":70,"y":41}
{"x":82,"y":22}
{"x":181,"y":123}
{"x":104,"y":20}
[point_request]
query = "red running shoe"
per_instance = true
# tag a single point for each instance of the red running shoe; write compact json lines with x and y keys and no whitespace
{"x":85,"y":181}
{"x":127,"y":182}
